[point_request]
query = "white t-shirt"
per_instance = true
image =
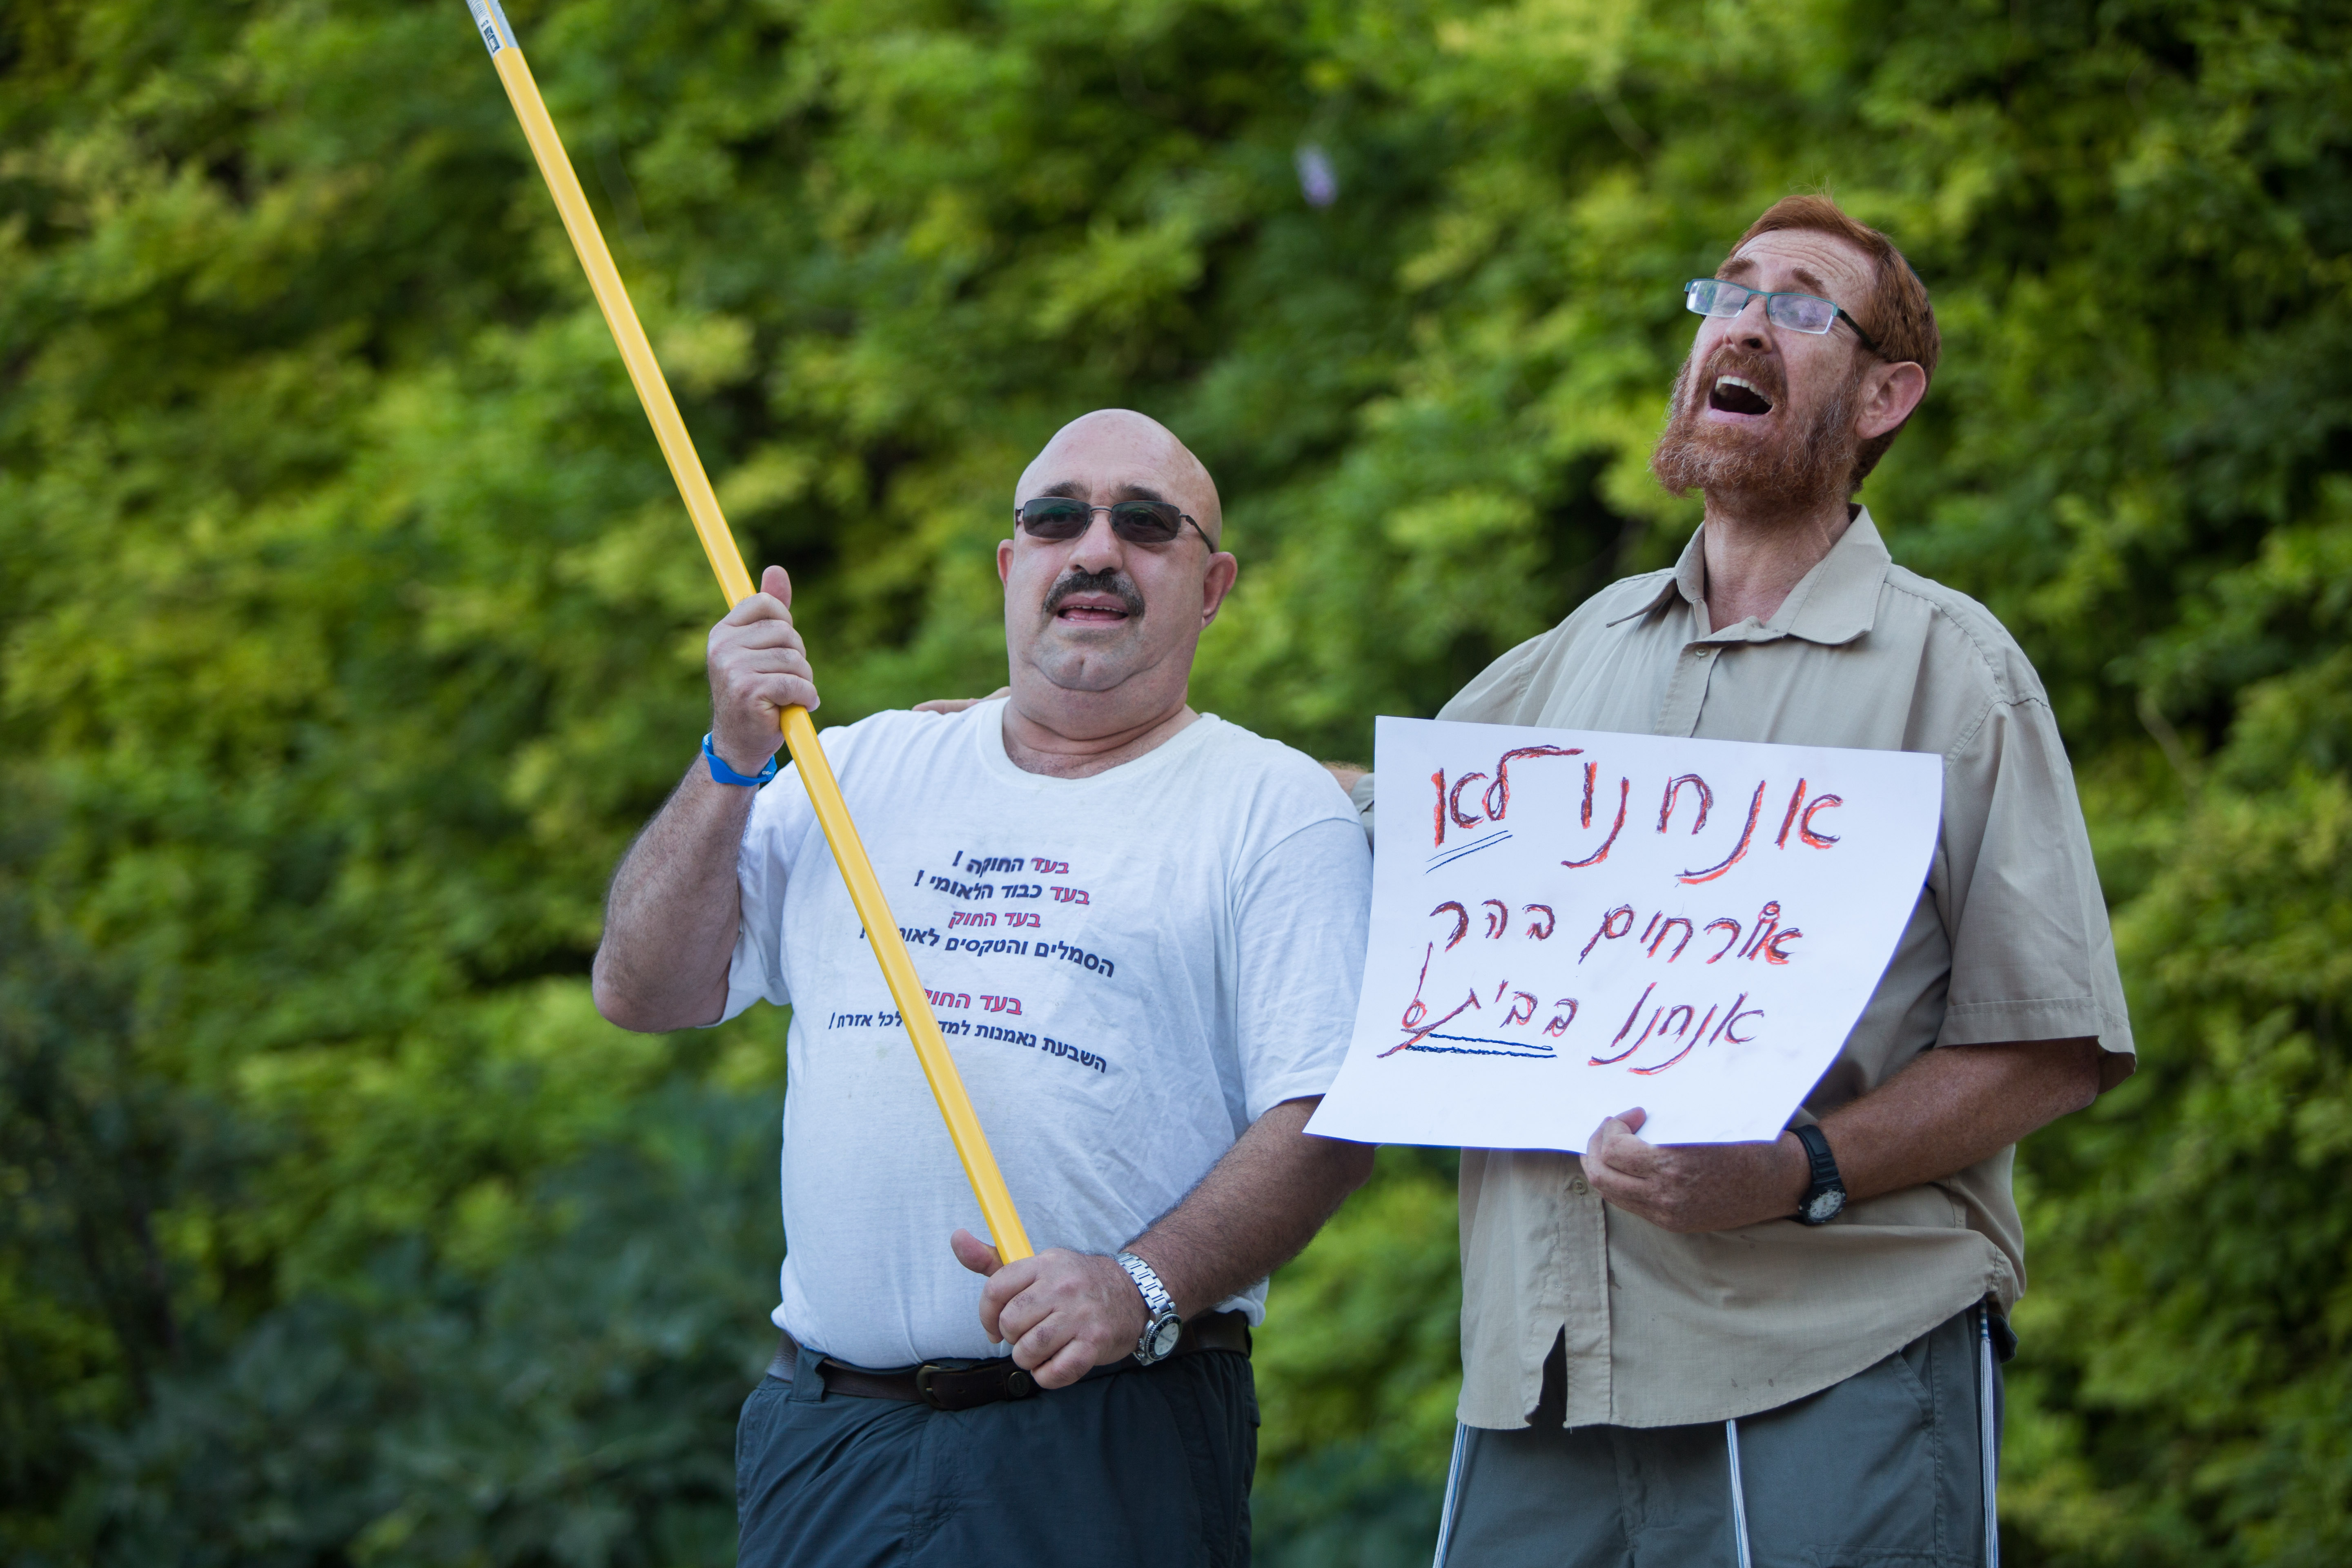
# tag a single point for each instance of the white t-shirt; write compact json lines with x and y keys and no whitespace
{"x":1131,"y":969}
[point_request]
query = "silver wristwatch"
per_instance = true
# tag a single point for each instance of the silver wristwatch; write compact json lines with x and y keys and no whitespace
{"x":1160,"y":1333}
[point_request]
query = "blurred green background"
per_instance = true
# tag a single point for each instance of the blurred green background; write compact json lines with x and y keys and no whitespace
{"x":349,"y":627}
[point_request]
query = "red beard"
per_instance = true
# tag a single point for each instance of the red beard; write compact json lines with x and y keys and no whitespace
{"x":1789,"y":470}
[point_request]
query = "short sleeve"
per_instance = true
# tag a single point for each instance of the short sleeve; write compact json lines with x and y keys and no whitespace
{"x":780,"y":822}
{"x":1301,"y":918}
{"x":2032,"y":955}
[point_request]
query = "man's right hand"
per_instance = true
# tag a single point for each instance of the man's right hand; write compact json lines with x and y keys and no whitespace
{"x":759,"y":666}
{"x":1347,"y":774}
{"x":958,"y":704}
{"x":1063,"y":1313}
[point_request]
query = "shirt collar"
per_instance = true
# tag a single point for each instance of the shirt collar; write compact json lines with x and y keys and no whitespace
{"x":1835,"y":603}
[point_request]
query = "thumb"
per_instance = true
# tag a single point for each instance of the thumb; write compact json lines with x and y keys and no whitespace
{"x":777,"y":584}
{"x":971,"y":1251}
{"x":1634,"y":1119}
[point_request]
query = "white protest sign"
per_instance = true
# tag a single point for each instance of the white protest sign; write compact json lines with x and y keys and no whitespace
{"x":1568,"y":923}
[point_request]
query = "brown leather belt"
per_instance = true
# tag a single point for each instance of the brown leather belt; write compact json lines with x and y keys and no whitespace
{"x":968,"y":1384}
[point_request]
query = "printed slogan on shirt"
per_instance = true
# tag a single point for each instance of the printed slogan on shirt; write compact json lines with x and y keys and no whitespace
{"x":981,"y":896}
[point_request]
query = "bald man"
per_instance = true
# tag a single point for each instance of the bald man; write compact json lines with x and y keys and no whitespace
{"x":1143,"y":930}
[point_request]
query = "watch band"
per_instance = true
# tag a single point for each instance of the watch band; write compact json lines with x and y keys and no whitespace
{"x":1155,"y":1295}
{"x":1825,"y":1197}
{"x":725,"y":774}
{"x":1163,"y":1328}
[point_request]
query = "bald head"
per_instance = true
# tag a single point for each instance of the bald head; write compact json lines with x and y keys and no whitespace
{"x":1101,"y":628}
{"x":1152,"y":464}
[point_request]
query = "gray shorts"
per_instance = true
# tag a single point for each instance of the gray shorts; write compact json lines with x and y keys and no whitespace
{"x":1892,"y":1468}
{"x":1146,"y":1467}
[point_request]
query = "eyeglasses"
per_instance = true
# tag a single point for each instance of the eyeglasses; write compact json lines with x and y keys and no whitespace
{"x":1798,"y":312}
{"x":1055,"y":520}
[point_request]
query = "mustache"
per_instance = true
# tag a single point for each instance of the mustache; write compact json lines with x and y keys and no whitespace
{"x":1109,"y":580}
{"x":1808,"y":460}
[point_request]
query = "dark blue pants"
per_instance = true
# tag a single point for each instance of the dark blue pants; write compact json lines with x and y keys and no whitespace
{"x":1138,"y":1468}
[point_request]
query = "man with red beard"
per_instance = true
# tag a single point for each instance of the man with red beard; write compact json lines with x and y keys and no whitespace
{"x":1788,"y":1352}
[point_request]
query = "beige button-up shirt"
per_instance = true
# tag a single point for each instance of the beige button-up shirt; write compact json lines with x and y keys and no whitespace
{"x":2009,"y":941}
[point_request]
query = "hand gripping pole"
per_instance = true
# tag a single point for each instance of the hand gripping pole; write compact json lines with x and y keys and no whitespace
{"x":735,"y":582}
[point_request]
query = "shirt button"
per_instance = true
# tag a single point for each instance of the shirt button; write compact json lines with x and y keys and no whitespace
{"x":1576,"y":1185}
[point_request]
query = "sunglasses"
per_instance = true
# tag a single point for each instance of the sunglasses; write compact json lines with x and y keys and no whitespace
{"x":1055,"y":520}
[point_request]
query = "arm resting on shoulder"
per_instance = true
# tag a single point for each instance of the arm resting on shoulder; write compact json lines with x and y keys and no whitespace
{"x":1346,"y":775}
{"x":1951,"y":1108}
{"x":958,"y":704}
{"x":1064,"y":1312}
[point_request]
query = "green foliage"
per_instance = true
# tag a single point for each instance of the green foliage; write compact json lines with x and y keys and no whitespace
{"x":1357,"y":1376}
{"x":349,"y":626}
{"x":2201,"y":1214}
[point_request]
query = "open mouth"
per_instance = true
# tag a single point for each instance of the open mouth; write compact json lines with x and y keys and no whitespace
{"x":1736,"y":394}
{"x":1104,"y":598}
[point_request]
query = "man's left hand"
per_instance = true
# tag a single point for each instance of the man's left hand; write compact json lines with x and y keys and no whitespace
{"x":1064,"y":1312}
{"x":1690,"y":1187}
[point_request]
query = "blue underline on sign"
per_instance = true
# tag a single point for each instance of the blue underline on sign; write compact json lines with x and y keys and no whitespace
{"x":1471,"y":1042}
{"x":1451,"y":856}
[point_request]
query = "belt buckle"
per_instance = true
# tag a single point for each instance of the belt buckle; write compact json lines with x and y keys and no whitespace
{"x":1017,"y":1384}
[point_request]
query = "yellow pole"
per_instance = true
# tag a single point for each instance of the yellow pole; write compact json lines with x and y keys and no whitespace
{"x":735,"y":582}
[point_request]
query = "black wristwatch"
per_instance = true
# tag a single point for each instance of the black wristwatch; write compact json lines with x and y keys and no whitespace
{"x":1826,"y":1196}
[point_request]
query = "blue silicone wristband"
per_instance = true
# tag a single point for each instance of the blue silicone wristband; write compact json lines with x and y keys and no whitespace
{"x":725,"y":774}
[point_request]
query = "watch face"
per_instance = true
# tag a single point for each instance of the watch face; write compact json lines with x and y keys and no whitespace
{"x":1825,"y":1205}
{"x":1164,"y":1335}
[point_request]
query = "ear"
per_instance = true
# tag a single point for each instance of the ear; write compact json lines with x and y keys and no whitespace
{"x":1889,"y":394}
{"x":1216,"y":584}
{"x":1004,"y":561}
